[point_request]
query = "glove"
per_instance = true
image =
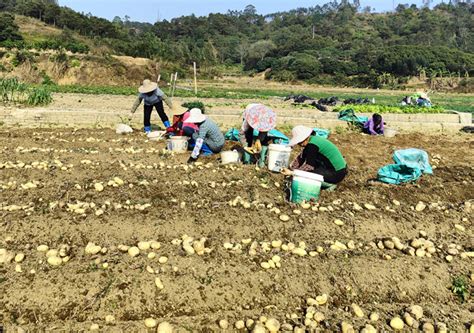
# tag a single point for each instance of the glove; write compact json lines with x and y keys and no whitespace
{"x":192,"y":160}
{"x":170,"y":130}
{"x":257,"y":146}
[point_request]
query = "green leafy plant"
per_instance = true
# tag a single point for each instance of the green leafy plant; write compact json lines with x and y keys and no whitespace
{"x":460,"y":287}
{"x":14,"y":91}
{"x":38,"y":96}
{"x":195,"y":104}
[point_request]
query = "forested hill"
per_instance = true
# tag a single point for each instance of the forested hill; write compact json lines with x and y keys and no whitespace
{"x":334,"y":43}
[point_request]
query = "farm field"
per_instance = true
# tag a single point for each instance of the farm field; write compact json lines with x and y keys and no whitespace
{"x":100,"y":230}
{"x":246,"y":88}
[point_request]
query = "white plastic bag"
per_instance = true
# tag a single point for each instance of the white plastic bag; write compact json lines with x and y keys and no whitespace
{"x":123,"y":129}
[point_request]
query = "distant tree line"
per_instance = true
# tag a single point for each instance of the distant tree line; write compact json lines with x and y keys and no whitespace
{"x":339,"y":42}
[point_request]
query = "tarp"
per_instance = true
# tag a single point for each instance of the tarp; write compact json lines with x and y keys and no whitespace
{"x":234,"y":135}
{"x":350,"y":116}
{"x":410,"y":165}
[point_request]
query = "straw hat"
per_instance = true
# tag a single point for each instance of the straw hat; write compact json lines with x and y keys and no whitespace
{"x":178,"y":110}
{"x":299,"y":134}
{"x":196,"y":116}
{"x":147,"y":87}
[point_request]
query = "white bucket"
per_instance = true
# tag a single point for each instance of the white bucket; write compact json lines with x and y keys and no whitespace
{"x":389,"y":132}
{"x":305,"y":186}
{"x":278,"y":157}
{"x":178,"y":144}
{"x":230,"y":157}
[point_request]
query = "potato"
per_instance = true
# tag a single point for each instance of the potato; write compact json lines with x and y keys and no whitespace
{"x":239,"y":325}
{"x":165,"y":327}
{"x":224,"y":324}
{"x":99,"y":187}
{"x":416,"y":311}
{"x":259,"y":328}
{"x":55,"y":261}
{"x":110,"y":320}
{"x":143,"y":246}
{"x":42,"y":248}
{"x":299,"y":252}
{"x":52,"y":253}
{"x":92,"y":249}
{"x":158,"y":283}
{"x":357,"y":310}
{"x":19,"y":257}
{"x":133,"y":251}
{"x":397,"y":324}
{"x":321,"y":300}
{"x":338,"y":222}
{"x":284,"y":218}
{"x":150,"y":323}
{"x":272,"y":325}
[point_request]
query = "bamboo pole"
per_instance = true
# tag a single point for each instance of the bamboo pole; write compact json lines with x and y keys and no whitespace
{"x":195,"y":79}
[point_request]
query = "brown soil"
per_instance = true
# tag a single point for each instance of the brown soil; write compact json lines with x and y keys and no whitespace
{"x":224,"y":284}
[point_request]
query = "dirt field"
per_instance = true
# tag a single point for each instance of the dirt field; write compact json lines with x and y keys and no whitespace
{"x":161,"y":199}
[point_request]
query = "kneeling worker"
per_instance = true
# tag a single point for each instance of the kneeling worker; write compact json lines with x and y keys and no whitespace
{"x":319,"y":156}
{"x":208,"y":139}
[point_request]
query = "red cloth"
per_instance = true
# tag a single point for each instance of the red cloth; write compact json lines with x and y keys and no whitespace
{"x":178,"y":124}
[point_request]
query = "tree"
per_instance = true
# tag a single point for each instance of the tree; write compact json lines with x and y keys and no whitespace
{"x":260,"y":49}
{"x":8,"y":29}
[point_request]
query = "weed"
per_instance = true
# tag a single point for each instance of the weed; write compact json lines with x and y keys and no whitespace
{"x":460,"y":287}
{"x":340,"y":129}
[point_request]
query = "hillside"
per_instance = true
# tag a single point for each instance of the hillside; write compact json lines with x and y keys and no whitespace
{"x":338,"y":43}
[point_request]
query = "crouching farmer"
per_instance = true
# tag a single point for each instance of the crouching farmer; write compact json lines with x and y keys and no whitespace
{"x":319,"y":156}
{"x":208,"y":139}
{"x":153,"y":97}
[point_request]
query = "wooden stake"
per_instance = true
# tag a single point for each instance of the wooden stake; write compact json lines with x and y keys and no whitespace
{"x":174,"y":84}
{"x":195,"y":79}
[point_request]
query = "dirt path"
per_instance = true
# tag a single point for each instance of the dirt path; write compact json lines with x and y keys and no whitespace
{"x":200,"y":290}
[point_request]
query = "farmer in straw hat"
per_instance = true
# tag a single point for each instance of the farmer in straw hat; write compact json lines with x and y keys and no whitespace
{"x":179,"y":127}
{"x":319,"y":156}
{"x":152,"y":97}
{"x":208,"y":139}
{"x":260,"y":118}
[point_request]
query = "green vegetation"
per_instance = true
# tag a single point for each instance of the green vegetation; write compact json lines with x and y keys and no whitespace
{"x":377,"y":108}
{"x":195,"y":104}
{"x":336,"y":43}
{"x":442,"y":101}
{"x":14,"y":91}
{"x":460,"y":287}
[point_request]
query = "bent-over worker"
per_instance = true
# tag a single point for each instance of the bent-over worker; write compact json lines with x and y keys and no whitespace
{"x":208,"y":139}
{"x":319,"y":156}
{"x":153,"y":97}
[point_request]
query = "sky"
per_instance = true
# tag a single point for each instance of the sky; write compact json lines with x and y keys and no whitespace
{"x":150,"y":10}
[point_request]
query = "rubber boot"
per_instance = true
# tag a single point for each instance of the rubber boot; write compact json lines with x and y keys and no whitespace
{"x":246,"y":158}
{"x":328,"y":186}
{"x":263,"y":156}
{"x":167,"y":124}
{"x":147,"y":129}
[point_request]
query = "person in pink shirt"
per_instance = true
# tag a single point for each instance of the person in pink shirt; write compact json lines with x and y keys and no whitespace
{"x":180,"y":127}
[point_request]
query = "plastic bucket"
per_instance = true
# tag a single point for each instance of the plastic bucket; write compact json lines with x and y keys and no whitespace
{"x":278,"y":157}
{"x":305,"y":186}
{"x":389,"y":132}
{"x":230,"y":157}
{"x":178,"y":144}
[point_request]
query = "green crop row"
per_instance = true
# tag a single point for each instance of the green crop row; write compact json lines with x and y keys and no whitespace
{"x":376,"y":108}
{"x":14,"y":91}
